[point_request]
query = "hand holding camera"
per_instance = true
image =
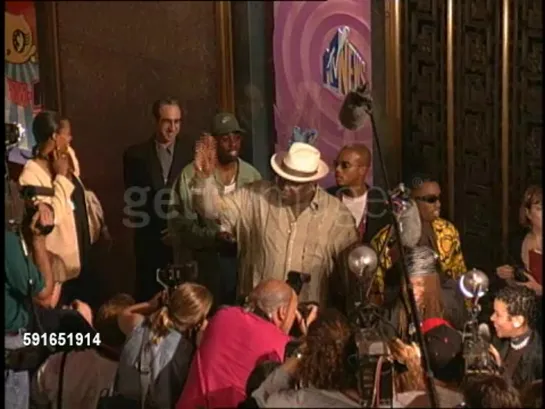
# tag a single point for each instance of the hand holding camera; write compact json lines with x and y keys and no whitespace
{"x":42,"y":219}
{"x":305,"y":315}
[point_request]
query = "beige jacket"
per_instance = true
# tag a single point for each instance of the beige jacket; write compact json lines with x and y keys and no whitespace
{"x":63,"y":240}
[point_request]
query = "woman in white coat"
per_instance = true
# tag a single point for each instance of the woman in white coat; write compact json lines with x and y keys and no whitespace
{"x":54,"y":166}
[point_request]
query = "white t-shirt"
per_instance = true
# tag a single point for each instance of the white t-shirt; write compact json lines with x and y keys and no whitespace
{"x":357,"y":206}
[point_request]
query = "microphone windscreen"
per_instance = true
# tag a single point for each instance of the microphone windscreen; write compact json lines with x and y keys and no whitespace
{"x":410,"y":225}
{"x":353,"y":111}
{"x":484,"y":332}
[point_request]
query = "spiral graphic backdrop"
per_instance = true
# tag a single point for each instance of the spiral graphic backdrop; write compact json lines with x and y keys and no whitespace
{"x":303,"y":31}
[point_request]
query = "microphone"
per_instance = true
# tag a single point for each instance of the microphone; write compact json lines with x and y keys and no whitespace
{"x":355,"y":108}
{"x":410,"y":225}
{"x":484,"y":332}
{"x":407,"y":215}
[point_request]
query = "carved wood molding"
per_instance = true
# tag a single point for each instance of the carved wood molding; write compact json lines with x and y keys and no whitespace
{"x":226,"y":92}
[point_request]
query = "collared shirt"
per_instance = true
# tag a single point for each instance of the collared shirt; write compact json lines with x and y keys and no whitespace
{"x":165,"y":154}
{"x":272,"y":241}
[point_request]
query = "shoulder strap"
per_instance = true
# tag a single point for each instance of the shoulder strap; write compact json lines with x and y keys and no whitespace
{"x":61,"y":380}
{"x":145,"y":366}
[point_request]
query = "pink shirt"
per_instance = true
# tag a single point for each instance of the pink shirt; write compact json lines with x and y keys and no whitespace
{"x":234,"y":342}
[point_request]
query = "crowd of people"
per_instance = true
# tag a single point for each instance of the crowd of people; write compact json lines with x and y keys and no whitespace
{"x":240,"y":333}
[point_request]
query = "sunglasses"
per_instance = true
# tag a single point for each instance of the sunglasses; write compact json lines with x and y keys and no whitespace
{"x":428,"y":199}
{"x":344,"y":164}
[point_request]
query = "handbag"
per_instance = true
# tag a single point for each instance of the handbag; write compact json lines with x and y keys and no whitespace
{"x":95,"y":215}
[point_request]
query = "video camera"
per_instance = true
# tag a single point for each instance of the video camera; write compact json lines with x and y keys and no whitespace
{"x":476,"y":337}
{"x":173,"y":275}
{"x":375,"y":366}
{"x":476,"y":349}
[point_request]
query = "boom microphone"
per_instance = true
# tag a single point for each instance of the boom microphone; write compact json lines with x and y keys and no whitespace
{"x":410,"y":225}
{"x":355,"y":108}
{"x":407,"y":216}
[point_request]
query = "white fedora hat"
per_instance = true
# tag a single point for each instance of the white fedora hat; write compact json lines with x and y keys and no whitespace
{"x":300,"y":164}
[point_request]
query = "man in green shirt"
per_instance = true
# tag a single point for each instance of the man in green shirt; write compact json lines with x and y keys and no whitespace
{"x":204,"y":241}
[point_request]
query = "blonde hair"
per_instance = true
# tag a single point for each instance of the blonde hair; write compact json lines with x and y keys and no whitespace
{"x":186,"y":309}
{"x":408,"y":355}
{"x":533,"y":195}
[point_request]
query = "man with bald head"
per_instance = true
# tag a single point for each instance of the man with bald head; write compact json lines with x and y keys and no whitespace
{"x":235,"y":341}
{"x":364,"y":202}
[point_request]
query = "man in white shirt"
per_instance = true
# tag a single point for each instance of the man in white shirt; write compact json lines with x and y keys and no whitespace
{"x":366,"y":204}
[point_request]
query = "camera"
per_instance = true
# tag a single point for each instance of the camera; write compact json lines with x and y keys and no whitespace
{"x":375,"y":369}
{"x":476,"y":349}
{"x":296,"y":280}
{"x":174,"y":275}
{"x":29,"y":194}
{"x":519,"y":275}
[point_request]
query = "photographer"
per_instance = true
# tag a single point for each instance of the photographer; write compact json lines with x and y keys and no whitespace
{"x":23,"y":285}
{"x":236,"y":340}
{"x":321,"y":369}
{"x":162,"y":335}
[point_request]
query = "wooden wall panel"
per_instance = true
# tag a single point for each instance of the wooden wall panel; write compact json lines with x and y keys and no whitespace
{"x":462,"y":108}
{"x":526,"y":115}
{"x":477,"y":141}
{"x":423,"y":87}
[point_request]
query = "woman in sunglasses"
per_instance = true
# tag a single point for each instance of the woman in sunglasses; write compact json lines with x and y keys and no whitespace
{"x":437,"y":233}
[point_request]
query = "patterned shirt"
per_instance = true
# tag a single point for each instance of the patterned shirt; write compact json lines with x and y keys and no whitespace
{"x":272,"y":241}
{"x":448,"y":244}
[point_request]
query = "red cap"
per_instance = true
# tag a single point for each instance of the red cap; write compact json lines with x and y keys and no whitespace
{"x":432,"y":323}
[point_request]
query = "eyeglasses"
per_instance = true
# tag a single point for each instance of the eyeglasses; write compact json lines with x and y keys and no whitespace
{"x":428,"y":199}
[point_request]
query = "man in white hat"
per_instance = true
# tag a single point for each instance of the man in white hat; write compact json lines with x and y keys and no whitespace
{"x":290,"y":224}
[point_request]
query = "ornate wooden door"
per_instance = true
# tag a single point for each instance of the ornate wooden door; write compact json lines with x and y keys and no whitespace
{"x":471,"y":111}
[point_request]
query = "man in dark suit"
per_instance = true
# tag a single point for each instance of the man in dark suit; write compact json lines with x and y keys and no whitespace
{"x":367,"y":204}
{"x":149,"y":170}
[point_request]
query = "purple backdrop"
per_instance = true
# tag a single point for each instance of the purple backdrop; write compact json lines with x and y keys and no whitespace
{"x":303,"y":30}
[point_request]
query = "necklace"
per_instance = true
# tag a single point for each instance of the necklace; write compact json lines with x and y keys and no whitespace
{"x":519,"y":345}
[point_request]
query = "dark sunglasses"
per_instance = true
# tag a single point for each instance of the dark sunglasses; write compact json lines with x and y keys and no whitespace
{"x":428,"y":199}
{"x":343,"y":164}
